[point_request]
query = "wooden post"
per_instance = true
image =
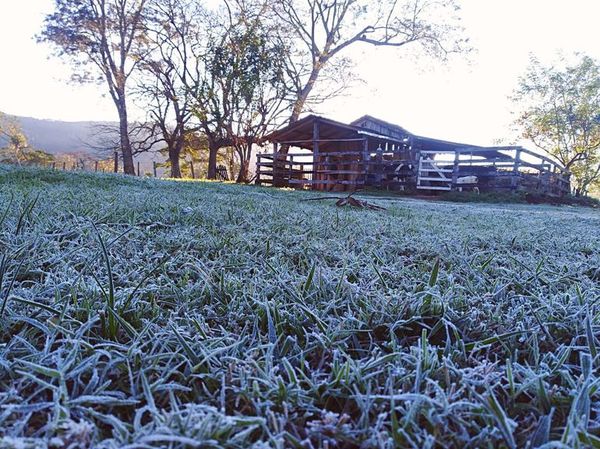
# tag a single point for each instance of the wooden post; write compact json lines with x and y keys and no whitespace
{"x":138,"y":169}
{"x":116,"y":167}
{"x":315,"y":174}
{"x":154,"y":168}
{"x":96,"y":166}
{"x":514,"y":182}
{"x":258,"y":156}
{"x":277,"y":169}
{"x":378,"y":166}
{"x":365,"y":159}
{"x":455,"y":168}
{"x":192,"y":169}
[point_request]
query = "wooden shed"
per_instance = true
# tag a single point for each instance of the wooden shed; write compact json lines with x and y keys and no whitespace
{"x":323,"y":154}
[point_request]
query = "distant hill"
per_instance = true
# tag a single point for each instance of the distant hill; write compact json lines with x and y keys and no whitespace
{"x":56,"y":137}
{"x":84,"y":137}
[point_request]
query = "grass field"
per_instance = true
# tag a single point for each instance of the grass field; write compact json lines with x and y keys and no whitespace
{"x":143,"y":314}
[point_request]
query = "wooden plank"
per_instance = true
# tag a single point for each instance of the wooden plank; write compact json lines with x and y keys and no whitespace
{"x":438,"y":170}
{"x":434,"y":188}
{"x":387,"y":162}
{"x":318,"y":165}
{"x":428,"y":178}
{"x":291,"y":142}
{"x":315,"y":148}
{"x":543,"y":158}
{"x":337,"y":164}
{"x":308,"y":155}
{"x":437,"y":152}
{"x":342,"y":153}
{"x":340,"y":172}
{"x":325,"y":181}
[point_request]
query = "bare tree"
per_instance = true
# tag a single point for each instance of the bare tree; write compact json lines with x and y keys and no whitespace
{"x":104,"y":140}
{"x":107,"y":35}
{"x":173,"y":71}
{"x":322,"y":30}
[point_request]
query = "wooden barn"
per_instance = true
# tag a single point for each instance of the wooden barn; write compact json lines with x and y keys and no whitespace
{"x":322,"y":154}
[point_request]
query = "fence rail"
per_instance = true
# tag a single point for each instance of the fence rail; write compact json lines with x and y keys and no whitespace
{"x":113,"y":165}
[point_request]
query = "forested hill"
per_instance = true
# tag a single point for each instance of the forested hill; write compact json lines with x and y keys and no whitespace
{"x":56,"y":137}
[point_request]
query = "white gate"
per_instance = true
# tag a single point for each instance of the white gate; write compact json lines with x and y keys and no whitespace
{"x":430,"y":175}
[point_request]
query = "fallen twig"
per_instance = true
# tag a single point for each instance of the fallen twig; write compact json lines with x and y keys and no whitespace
{"x":349,"y":201}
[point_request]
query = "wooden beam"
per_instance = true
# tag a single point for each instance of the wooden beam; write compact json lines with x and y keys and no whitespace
{"x":365,"y":158}
{"x":455,"y":168}
{"x":316,"y":136}
{"x":515,"y":179}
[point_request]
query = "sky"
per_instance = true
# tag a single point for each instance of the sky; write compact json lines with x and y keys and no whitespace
{"x":465,"y":99}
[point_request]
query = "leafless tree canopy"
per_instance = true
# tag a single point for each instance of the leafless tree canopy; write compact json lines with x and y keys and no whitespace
{"x":104,"y":41}
{"x":323,"y":29}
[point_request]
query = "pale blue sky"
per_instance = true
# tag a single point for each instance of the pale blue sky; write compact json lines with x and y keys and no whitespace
{"x":458,"y":101}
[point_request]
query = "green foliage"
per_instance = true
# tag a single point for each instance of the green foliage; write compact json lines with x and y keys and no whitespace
{"x":561,"y":115}
{"x":148,"y":313}
{"x":14,"y":148}
{"x":247,"y":62}
{"x":196,"y":151}
{"x":244,"y":91}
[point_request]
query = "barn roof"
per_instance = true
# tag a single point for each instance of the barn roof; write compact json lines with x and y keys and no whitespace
{"x":301,"y":131}
{"x":381,"y":126}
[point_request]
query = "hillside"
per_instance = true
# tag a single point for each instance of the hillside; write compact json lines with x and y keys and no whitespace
{"x":87,"y":137}
{"x":56,"y":137}
{"x":148,"y":313}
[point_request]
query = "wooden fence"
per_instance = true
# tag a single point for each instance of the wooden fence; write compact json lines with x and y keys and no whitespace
{"x":114,"y":164}
{"x":495,"y":169}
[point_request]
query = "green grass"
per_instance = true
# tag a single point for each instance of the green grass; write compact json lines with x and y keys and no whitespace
{"x":144,"y":313}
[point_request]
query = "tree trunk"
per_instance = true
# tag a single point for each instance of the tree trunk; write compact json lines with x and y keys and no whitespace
{"x":213,"y":151}
{"x":305,"y":92}
{"x":174,"y":161}
{"x":244,"y":171}
{"x":128,"y":167}
{"x":297,"y":109}
{"x":245,"y":155}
